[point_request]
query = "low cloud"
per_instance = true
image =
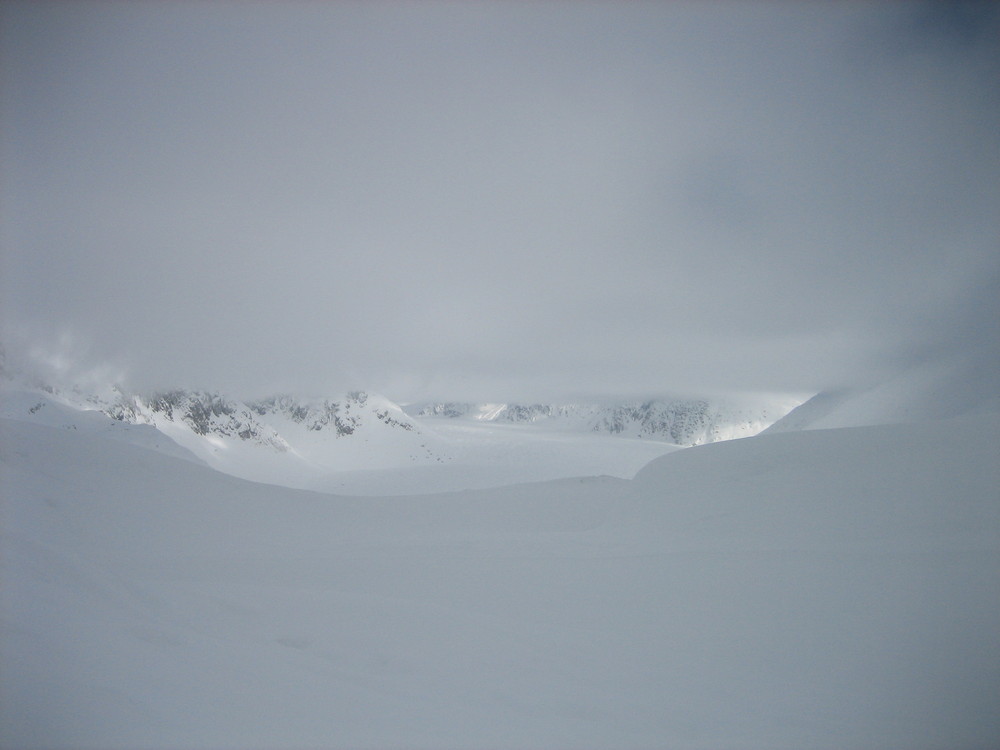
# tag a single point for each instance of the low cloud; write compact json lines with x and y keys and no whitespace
{"x":499,"y":200}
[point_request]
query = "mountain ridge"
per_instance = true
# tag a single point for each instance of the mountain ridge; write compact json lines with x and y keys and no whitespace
{"x":684,"y":422}
{"x":348,"y":443}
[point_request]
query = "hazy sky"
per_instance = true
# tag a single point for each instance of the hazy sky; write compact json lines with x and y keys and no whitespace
{"x":500,"y":199}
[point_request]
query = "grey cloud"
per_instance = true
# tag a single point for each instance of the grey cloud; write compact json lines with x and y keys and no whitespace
{"x":488,"y":199}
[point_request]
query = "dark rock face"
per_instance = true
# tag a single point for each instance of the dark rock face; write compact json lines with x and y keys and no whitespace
{"x":204,"y":413}
{"x":680,"y":421}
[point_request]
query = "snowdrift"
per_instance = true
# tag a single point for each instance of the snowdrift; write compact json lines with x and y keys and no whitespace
{"x":935,"y":389}
{"x":826,"y":589}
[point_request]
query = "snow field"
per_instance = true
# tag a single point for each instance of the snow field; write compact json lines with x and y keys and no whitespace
{"x":828,"y":589}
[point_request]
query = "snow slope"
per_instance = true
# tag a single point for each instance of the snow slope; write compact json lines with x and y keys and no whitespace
{"x":934,"y":389}
{"x":826,"y":589}
{"x":40,"y":408}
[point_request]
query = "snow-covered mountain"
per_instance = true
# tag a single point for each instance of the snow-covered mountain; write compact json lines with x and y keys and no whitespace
{"x":280,"y":440}
{"x":273,"y":423}
{"x":364,"y":443}
{"x":204,"y":414}
{"x":681,"y":422}
{"x":276,"y":421}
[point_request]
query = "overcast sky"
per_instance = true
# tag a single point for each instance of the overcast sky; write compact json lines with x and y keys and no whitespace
{"x":500,"y":200}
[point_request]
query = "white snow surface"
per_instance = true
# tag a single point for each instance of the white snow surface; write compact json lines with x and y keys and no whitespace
{"x":935,"y":389}
{"x":820,"y":589}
